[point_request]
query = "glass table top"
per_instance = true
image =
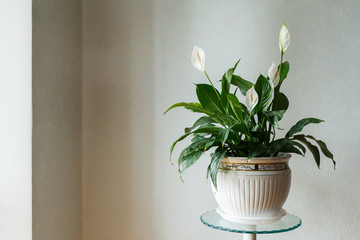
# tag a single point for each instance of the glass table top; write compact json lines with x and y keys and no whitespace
{"x":214,"y":220}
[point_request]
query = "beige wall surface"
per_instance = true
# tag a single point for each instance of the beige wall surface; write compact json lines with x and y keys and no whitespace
{"x":57,"y":38}
{"x":118,"y":117}
{"x":136,"y":63}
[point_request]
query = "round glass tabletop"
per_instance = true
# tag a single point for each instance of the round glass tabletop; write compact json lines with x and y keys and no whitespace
{"x":214,"y":220}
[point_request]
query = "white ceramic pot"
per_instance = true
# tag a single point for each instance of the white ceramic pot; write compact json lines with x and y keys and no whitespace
{"x":253,"y":191}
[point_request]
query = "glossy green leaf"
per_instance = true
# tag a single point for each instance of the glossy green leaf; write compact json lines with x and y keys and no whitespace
{"x":290,"y":148}
{"x":263,"y":89}
{"x":298,"y":127}
{"x":242,"y":128}
{"x":193,"y":106}
{"x":226,"y":81}
{"x":241,"y":83}
{"x":284,"y":69}
{"x":275,"y":146}
{"x":280,"y":102}
{"x":187,"y":158}
{"x":202,"y":121}
{"x":198,"y":136}
{"x":174,"y":144}
{"x":236,"y":107}
{"x":323,"y":148}
{"x":225,"y":119}
{"x":313,"y":149}
{"x":299,"y":145}
{"x":215,"y":163}
{"x":256,"y":149}
{"x":259,"y":136}
{"x":209,"y":98}
{"x":274,"y":117}
{"x":199,"y":142}
{"x":210,"y":144}
{"x":224,"y":134}
{"x":206,"y":130}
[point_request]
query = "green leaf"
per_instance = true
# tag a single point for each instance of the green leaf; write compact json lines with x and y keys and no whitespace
{"x":193,"y":106}
{"x":206,"y":130}
{"x":323,"y":148}
{"x":256,"y":150}
{"x":236,"y":91}
{"x":174,"y":144}
{"x":284,"y":69}
{"x":263,"y":89}
{"x":224,"y":134}
{"x":215,"y":163}
{"x":199,"y":142}
{"x":236,"y":107}
{"x":198,"y":137}
{"x":226,"y":81}
{"x":242,"y":128}
{"x":187,"y":158}
{"x":298,"y":127}
{"x":280,"y":102}
{"x":313,"y":149}
{"x":201,"y":121}
{"x":299,"y":145}
{"x":210,"y":144}
{"x":241,"y":83}
{"x":258,"y":136}
{"x":209,"y":98}
{"x":290,"y":148}
{"x":275,"y":146}
{"x":274,"y":117}
{"x":225,"y":119}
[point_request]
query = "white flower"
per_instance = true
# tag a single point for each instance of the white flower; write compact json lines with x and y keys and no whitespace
{"x":273,"y":73}
{"x":198,"y":58}
{"x":284,"y":38}
{"x":251,"y":99}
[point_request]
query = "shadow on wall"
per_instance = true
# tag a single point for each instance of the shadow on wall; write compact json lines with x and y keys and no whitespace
{"x":118,"y":120}
{"x":56,"y":136}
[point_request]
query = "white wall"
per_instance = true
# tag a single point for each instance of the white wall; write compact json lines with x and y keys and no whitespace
{"x":57,"y":129}
{"x":137,"y":63}
{"x":15,"y":120}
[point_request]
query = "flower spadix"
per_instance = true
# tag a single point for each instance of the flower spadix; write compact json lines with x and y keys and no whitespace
{"x":273,"y":73}
{"x":284,"y":38}
{"x":198,"y":58}
{"x":251,"y":99}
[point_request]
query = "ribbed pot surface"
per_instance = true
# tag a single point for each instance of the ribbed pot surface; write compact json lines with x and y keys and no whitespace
{"x":251,"y":193}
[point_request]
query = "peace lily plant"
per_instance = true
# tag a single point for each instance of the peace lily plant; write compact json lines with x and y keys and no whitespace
{"x":249,"y":130}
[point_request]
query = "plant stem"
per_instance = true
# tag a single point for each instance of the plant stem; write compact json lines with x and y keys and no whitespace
{"x":278,"y":90}
{"x":248,"y":119}
{"x":247,"y":124}
{"x":281,"y":59}
{"x":207,"y":76}
{"x":274,"y":135}
{"x":269,"y":131}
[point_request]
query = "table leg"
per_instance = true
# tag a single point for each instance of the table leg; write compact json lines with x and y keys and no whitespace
{"x":248,"y":236}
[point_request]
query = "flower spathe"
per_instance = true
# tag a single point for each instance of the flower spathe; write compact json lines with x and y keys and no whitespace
{"x":251,"y":99}
{"x":273,"y":73}
{"x":198,"y":58}
{"x":284,"y":38}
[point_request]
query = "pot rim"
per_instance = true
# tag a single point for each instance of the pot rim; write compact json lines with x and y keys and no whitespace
{"x":281,"y":158}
